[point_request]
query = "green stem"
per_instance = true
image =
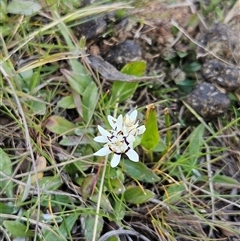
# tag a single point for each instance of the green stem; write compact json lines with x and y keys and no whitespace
{"x":167,"y":123}
{"x":99,"y":199}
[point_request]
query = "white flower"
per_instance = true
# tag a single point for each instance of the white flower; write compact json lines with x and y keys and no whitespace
{"x":119,"y":140}
{"x":116,"y":124}
{"x":131,"y":124}
{"x":117,"y":143}
{"x":128,"y":124}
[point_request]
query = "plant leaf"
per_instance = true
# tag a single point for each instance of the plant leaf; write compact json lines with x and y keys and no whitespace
{"x":88,"y":184}
{"x":119,"y":210}
{"x":186,"y":85}
{"x":78,"y":79}
{"x":136,"y":195}
{"x":116,"y":186}
{"x":6,"y":208}
{"x":192,"y":67}
{"x":66,"y":102}
{"x":38,"y":108}
{"x":89,"y":101}
{"x":6,"y":168}
{"x":150,"y":137}
{"x":139,"y":171}
{"x":173,"y":193}
{"x":17,"y":229}
{"x":224,"y":179}
{"x":53,"y":234}
{"x":60,"y":125}
{"x":88,"y":224}
{"x":68,"y":224}
{"x":124,"y":90}
{"x":23,"y":7}
{"x":195,"y":143}
{"x":50,"y":183}
{"x":105,"y":203}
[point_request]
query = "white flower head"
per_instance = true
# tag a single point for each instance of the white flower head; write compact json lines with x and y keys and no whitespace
{"x":131,"y":124}
{"x":119,"y":140}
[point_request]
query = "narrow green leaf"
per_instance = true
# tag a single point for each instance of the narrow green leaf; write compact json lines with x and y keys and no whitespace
{"x":9,"y":68}
{"x":88,"y":226}
{"x":192,"y":67}
{"x":173,"y":193}
{"x":224,"y":179}
{"x":195,"y":143}
{"x":136,"y":195}
{"x":88,"y":184}
{"x":168,"y":124}
{"x":82,"y":83}
{"x":6,"y":208}
{"x":25,"y":190}
{"x":74,"y":81}
{"x":27,"y":76}
{"x":161,"y":147}
{"x":50,"y":183}
{"x":150,"y":137}
{"x":186,"y":86}
{"x":139,"y":171}
{"x":79,"y":78}
{"x":38,"y":108}
{"x":116,"y":186}
{"x":89,"y":101}
{"x":136,"y":68}
{"x":53,"y":234}
{"x":80,"y":73}
{"x":66,"y":102}
{"x":60,"y":125}
{"x":104,"y":203}
{"x":119,"y":210}
{"x":23,"y":7}
{"x":17,"y":229}
{"x":124,"y":90}
{"x":68,"y":224}
{"x":6,"y":167}
{"x":182,"y":54}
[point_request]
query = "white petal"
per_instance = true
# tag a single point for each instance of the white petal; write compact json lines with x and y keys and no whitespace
{"x":141,"y":129}
{"x":112,"y":121}
{"x":120,"y":123}
{"x":133,"y":115}
{"x":115,"y":148}
{"x":104,"y":132}
{"x":130,"y":138}
{"x":103,"y":151}
{"x":101,"y":139}
{"x":115,"y":160}
{"x":132,"y":155}
{"x":132,"y":130}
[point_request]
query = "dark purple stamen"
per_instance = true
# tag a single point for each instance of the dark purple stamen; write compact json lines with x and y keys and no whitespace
{"x":117,"y":153}
{"x":125,"y":139}
{"x":127,"y":149}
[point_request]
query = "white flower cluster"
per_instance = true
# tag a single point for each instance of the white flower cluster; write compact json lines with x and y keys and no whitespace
{"x":120,"y":138}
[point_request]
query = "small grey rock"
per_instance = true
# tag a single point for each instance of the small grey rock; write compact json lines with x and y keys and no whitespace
{"x":123,"y":53}
{"x":208,"y":101}
{"x":225,"y":76}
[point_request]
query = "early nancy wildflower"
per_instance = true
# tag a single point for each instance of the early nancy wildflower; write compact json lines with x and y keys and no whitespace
{"x":119,"y":140}
{"x":131,"y":124}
